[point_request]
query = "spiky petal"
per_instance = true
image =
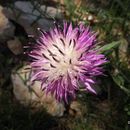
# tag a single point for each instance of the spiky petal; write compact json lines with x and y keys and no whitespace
{"x":66,"y":59}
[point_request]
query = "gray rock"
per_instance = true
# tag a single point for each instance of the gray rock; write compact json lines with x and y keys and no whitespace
{"x":6,"y":28}
{"x":31,"y":18}
{"x":28,"y":94}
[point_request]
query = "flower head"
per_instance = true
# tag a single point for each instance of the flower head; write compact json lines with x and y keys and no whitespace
{"x":66,"y":59}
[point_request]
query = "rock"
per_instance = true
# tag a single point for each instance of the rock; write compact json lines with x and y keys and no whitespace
{"x":6,"y":28}
{"x":32,"y":18}
{"x":28,"y":7}
{"x":31,"y":94}
{"x":51,"y":11}
{"x":76,"y":109}
{"x":3,"y":20}
{"x":15,"y":46}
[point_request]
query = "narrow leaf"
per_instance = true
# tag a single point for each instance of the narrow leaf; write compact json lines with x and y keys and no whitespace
{"x":109,"y":46}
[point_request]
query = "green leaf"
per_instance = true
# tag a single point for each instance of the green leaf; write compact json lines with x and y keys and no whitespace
{"x":119,"y":80}
{"x":109,"y":46}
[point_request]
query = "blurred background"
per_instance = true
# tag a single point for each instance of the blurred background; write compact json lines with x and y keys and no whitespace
{"x":24,"y":107}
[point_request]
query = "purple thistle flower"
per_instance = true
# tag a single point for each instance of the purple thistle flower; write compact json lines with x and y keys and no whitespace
{"x":64,"y":60}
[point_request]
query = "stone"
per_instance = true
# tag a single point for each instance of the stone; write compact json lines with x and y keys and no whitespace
{"x":31,"y":94}
{"x":3,"y":21}
{"x":32,"y":18}
{"x":52,"y":11}
{"x":76,"y":109}
{"x":6,"y":28}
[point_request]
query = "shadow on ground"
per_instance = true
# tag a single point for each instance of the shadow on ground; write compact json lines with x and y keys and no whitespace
{"x":14,"y":116}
